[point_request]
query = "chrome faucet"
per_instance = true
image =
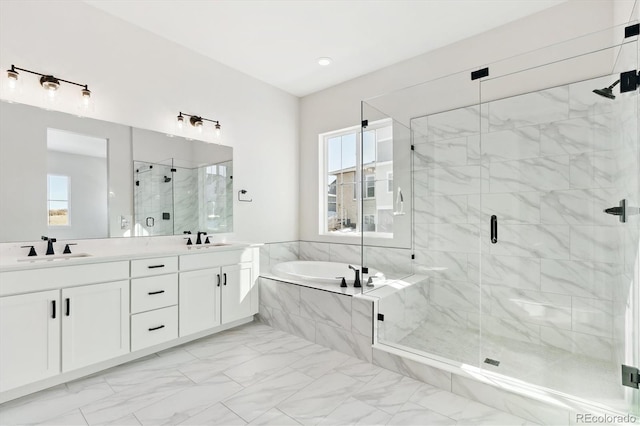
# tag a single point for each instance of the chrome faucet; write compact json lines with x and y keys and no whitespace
{"x":50,"y":242}
{"x":356,"y":282}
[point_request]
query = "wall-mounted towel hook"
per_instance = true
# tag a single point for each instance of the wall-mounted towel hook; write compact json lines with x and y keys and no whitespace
{"x":243,"y":192}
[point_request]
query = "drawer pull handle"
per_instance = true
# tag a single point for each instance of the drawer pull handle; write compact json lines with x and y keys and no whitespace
{"x":225,"y":278}
{"x":53,"y":309}
{"x":68,"y":307}
{"x":156,"y":328}
{"x":155,"y":292}
{"x":218,"y":275}
{"x":155,"y":266}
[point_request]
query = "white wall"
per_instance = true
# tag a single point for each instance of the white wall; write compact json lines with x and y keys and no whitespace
{"x":88,"y":195}
{"x":339,"y":107}
{"x":142,"y":80}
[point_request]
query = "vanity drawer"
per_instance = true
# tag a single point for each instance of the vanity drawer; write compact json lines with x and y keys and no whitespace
{"x":155,"y":266}
{"x":153,"y":292}
{"x":154,"y":327}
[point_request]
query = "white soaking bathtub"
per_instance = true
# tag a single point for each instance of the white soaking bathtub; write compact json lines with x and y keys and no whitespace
{"x":322,"y":275}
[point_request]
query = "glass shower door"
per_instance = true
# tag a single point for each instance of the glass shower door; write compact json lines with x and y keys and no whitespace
{"x":559,"y":275}
{"x":436,"y":311}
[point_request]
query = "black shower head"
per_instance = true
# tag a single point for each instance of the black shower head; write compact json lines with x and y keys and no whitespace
{"x":607,"y":92}
{"x":167,"y":179}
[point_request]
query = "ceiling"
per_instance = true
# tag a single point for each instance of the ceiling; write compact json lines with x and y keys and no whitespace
{"x":279,"y":42}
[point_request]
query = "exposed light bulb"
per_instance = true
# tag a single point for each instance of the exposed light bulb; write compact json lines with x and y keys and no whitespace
{"x":196,"y":122}
{"x":218,"y":130}
{"x":12,"y":76}
{"x":180,"y":122}
{"x":50,"y":84}
{"x":85,"y":100}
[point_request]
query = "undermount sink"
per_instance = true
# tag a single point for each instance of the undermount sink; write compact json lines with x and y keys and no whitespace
{"x":54,"y":257}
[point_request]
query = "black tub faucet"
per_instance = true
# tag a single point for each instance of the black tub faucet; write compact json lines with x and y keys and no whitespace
{"x":50,"y":242}
{"x":356,"y":282}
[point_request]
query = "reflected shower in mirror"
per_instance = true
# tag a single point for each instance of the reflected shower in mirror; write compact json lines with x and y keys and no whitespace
{"x":169,"y":199}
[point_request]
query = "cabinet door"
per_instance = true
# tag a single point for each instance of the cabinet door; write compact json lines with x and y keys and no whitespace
{"x":199,"y":300}
{"x":236,"y":292}
{"x":29,"y":338}
{"x":95,"y":323}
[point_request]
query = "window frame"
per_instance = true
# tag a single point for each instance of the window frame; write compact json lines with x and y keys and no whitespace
{"x":323,"y":219}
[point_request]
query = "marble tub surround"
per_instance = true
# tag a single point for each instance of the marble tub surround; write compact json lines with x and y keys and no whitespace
{"x":197,"y":383}
{"x":341,"y":322}
{"x":547,"y":164}
{"x":393,"y":262}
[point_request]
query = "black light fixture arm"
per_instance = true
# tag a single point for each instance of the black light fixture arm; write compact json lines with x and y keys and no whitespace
{"x":14,"y":69}
{"x":181,"y":114}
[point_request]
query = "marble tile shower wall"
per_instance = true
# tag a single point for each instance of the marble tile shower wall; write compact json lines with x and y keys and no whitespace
{"x":185,"y":206}
{"x":153,"y":196}
{"x":547,"y":164}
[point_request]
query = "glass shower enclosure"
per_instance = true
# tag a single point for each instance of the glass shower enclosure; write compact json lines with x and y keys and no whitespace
{"x":520,"y":226}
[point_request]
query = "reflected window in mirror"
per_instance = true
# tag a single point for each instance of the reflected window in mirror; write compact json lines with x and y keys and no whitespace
{"x":58,"y":200}
{"x":77,"y":185}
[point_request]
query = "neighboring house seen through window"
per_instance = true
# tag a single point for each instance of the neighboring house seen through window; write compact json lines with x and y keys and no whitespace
{"x":345,"y":160}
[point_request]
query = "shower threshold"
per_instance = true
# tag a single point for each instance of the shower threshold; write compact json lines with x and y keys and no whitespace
{"x":584,"y":377}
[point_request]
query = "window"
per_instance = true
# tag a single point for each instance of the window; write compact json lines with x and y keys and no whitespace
{"x":58,"y":200}
{"x":354,"y":162}
{"x":370,"y":186}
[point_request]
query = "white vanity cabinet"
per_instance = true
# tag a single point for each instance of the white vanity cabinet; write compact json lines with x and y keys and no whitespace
{"x":154,"y":301}
{"x":29,"y":338}
{"x":215,"y":288}
{"x":58,"y":319}
{"x":199,"y":300}
{"x":236,"y":292}
{"x":62,"y":320}
{"x":95,"y":323}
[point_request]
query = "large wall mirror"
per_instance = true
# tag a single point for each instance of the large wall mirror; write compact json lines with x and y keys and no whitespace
{"x":70,"y":177}
{"x":181,"y":187}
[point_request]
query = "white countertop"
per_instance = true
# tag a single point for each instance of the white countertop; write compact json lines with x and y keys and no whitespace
{"x":14,"y":258}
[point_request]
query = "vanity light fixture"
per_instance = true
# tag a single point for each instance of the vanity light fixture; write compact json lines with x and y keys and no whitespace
{"x":197,"y":122}
{"x":48,"y":82}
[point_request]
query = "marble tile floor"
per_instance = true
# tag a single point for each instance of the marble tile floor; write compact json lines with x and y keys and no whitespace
{"x":534,"y":363}
{"x":254,"y":375}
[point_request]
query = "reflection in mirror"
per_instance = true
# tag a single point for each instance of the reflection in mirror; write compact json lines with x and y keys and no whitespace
{"x":42,"y":152}
{"x":76,"y":186}
{"x":171,"y":200}
{"x":180,"y":185}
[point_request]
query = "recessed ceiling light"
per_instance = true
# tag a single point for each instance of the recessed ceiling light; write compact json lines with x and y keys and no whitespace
{"x":324,"y":61}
